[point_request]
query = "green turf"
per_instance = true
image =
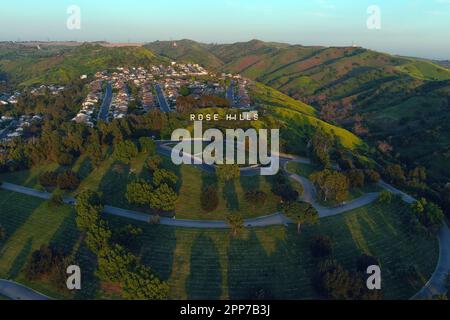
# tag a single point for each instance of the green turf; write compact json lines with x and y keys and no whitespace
{"x":205,"y":264}
{"x":302,"y":169}
{"x":210,"y":264}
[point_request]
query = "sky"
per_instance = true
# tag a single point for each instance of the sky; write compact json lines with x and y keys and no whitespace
{"x":418,"y":28}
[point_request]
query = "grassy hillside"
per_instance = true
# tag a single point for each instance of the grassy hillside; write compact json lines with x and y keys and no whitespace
{"x":186,"y":51}
{"x":210,"y":264}
{"x":402,"y":100}
{"x":28,"y":65}
{"x":297,"y":118}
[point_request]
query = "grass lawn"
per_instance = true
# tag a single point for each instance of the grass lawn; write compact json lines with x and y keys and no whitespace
{"x":231,"y":196}
{"x":111,"y":178}
{"x":210,"y":264}
{"x":30,"y":223}
{"x":304,"y":170}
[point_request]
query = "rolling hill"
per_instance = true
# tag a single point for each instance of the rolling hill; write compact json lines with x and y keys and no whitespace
{"x":389,"y":96}
{"x":26,"y":65}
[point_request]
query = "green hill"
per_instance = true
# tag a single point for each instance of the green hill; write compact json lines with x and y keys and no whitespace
{"x":28,"y":65}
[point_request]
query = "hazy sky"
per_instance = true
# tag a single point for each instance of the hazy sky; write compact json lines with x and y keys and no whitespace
{"x":408,"y":27}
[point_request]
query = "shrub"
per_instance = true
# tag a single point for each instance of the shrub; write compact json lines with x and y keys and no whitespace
{"x":209,"y":199}
{"x":68,"y":181}
{"x":256,"y":197}
{"x":321,"y":247}
{"x":48,"y":179}
{"x":385,"y":197}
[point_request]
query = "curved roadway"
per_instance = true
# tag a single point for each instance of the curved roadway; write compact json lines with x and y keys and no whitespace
{"x":434,"y":286}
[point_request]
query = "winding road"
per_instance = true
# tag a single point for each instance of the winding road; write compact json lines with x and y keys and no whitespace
{"x":434,"y":286}
{"x":16,"y":291}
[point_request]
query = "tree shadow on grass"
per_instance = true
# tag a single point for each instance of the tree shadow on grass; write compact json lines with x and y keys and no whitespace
{"x":85,"y":168}
{"x":249,"y":270}
{"x":250,"y":183}
{"x":21,"y":259}
{"x":114,"y":184}
{"x":230,"y":195}
{"x":158,"y":244}
{"x":205,"y":278}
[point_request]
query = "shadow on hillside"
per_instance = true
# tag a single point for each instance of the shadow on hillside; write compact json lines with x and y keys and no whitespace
{"x":249,"y":270}
{"x":205,"y":278}
{"x":85,"y":169}
{"x":114,"y":184}
{"x":21,"y":259}
{"x":250,"y":183}
{"x":158,"y":244}
{"x":230,"y":195}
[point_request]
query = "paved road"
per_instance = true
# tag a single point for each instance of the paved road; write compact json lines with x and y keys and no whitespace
{"x":309,"y":196}
{"x":106,"y":104}
{"x":436,"y":284}
{"x":16,"y":291}
{"x":162,"y":99}
{"x":230,"y":93}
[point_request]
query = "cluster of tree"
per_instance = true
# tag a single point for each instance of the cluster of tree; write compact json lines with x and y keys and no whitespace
{"x":159,"y":194}
{"x":331,"y":185}
{"x":209,"y":199}
{"x":300,"y":213}
{"x":358,"y":178}
{"x":256,"y":197}
{"x":282,"y":187}
{"x":125,"y":151}
{"x":190,"y":103}
{"x":50,"y":263}
{"x":321,"y":145}
{"x":61,"y":142}
{"x":426,"y":218}
{"x":236,"y":224}
{"x":66,"y":180}
{"x":333,"y":281}
{"x":116,"y":263}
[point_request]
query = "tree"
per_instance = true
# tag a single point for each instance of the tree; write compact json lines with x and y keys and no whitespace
{"x":154,"y":162}
{"x":301,"y":213}
{"x":321,"y":247}
{"x":372,"y":176}
{"x":209,"y":199}
{"x":385,"y":197}
{"x":139,"y":192}
{"x":88,"y":207}
{"x":429,"y":215}
{"x":283,"y":188}
{"x":321,"y":144}
{"x":125,"y":151}
{"x":68,"y":180}
{"x":331,"y":185}
{"x":395,"y":174}
{"x":236,"y":223}
{"x":356,"y":178}
{"x":161,"y":176}
{"x":228,"y":172}
{"x":147,"y":145}
{"x":48,"y":179}
{"x":56,"y":199}
{"x":256,"y":197}
{"x":2,"y":233}
{"x":163,"y":198}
